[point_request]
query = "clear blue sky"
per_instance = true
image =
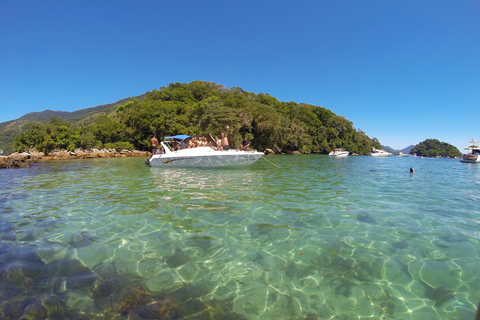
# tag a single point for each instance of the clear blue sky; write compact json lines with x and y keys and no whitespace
{"x":402,"y":71}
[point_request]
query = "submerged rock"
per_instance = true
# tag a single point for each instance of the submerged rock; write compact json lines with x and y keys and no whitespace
{"x":161,"y":309}
{"x":365,"y":217}
{"x":177,"y":259}
{"x":213,"y":309}
{"x":80,"y":240}
{"x":104,"y":288}
{"x":13,"y":273}
{"x":34,"y":311}
{"x":437,"y":294}
{"x":53,"y":305}
{"x":12,"y":309}
{"x":83,"y":280}
{"x":133,"y":297}
{"x":71,"y":267}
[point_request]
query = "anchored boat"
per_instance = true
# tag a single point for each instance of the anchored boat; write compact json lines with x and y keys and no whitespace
{"x":338,"y":152}
{"x":473,"y":156}
{"x":200,"y":156}
{"x":380,"y":153}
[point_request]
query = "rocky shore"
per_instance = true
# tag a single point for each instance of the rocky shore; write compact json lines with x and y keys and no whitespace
{"x":25,"y":159}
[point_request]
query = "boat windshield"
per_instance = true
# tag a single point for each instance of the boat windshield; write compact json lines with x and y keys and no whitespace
{"x":173,"y":142}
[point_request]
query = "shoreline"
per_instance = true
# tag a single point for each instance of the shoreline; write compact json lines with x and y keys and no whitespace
{"x":24,"y":160}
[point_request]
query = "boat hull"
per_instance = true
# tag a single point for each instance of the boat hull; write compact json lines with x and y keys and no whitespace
{"x":212,"y":159}
{"x":470,"y":158}
{"x":381,"y":155}
{"x":338,"y":153}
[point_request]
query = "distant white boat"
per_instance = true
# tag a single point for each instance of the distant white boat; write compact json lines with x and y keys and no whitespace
{"x":473,"y":156}
{"x":338,"y":153}
{"x":380,"y":153}
{"x":401,"y":154}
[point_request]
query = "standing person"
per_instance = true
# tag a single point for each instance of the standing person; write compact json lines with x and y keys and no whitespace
{"x":154,"y":143}
{"x":224,"y":139}
{"x":245,"y":144}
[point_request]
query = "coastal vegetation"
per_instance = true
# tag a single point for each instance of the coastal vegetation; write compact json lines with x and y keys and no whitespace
{"x":435,"y":148}
{"x":200,"y":108}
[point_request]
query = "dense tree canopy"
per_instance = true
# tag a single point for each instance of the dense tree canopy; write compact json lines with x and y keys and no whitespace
{"x":435,"y":148}
{"x":200,"y":108}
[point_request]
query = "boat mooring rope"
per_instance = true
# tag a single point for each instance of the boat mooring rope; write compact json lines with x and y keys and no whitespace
{"x":270,"y":162}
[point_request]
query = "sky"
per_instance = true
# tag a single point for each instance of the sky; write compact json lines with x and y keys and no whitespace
{"x":403,"y":71}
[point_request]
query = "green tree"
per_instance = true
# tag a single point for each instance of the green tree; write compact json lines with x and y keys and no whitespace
{"x":199,"y":108}
{"x":434,"y":148}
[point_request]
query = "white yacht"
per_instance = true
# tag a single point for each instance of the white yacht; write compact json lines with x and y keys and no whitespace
{"x":200,"y":156}
{"x":473,"y":156}
{"x":380,"y":153}
{"x":338,"y":153}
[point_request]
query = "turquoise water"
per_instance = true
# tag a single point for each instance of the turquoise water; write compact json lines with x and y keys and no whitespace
{"x":314,"y":238}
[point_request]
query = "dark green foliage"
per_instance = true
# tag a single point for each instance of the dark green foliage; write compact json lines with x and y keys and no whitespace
{"x":7,"y":136}
{"x":435,"y":148}
{"x":11,"y":129}
{"x":200,"y":108}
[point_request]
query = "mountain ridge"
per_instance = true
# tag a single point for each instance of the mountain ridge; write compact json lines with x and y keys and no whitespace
{"x":10,"y":129}
{"x":404,"y":150}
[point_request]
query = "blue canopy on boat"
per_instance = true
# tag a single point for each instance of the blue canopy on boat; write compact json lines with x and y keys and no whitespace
{"x":179,"y":137}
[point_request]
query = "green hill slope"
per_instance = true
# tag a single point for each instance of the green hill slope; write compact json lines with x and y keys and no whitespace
{"x":435,"y":148}
{"x":198,"y":108}
{"x":10,"y":129}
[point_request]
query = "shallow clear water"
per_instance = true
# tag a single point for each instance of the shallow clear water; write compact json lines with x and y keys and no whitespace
{"x":315,"y":238}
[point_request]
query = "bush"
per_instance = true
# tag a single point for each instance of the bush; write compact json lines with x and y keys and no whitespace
{"x":120,"y":145}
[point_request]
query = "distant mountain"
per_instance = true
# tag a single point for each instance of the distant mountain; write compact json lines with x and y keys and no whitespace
{"x":405,"y":150}
{"x":12,"y":128}
{"x":74,"y":116}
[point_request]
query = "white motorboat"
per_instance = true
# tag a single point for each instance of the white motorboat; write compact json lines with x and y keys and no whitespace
{"x":380,"y":153}
{"x":473,"y":156}
{"x":200,"y":156}
{"x":338,"y":153}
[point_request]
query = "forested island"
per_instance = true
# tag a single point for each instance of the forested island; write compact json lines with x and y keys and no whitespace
{"x":435,"y":148}
{"x":197,"y":109}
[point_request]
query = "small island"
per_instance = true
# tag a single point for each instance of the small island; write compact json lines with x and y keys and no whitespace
{"x":435,"y":149}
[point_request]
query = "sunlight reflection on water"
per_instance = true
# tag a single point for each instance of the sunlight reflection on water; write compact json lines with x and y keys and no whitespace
{"x":316,"y":238}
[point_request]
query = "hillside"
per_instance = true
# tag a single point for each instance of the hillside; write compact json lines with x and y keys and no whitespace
{"x":13,"y":128}
{"x":199,"y":109}
{"x":436,"y":148}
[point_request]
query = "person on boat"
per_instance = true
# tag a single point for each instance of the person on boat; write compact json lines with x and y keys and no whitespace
{"x":198,"y":142}
{"x":154,"y":143}
{"x":204,"y":142}
{"x":217,"y":141}
{"x":245,"y":144}
{"x":174,"y":145}
{"x":225,"y":145}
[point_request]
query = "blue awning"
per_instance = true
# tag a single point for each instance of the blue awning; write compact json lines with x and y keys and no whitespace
{"x":179,"y":137}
